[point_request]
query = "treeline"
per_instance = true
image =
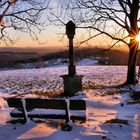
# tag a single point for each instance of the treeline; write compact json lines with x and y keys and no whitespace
{"x":111,"y":57}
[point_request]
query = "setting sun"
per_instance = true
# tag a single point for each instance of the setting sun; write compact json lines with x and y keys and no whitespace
{"x":138,"y":37}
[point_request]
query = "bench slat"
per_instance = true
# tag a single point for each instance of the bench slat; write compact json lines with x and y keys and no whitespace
{"x":16,"y":115}
{"x":79,"y":118}
{"x":77,"y":105}
{"x":45,"y":103}
{"x":14,"y":102}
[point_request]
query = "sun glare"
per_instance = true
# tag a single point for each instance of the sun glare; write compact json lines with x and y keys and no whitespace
{"x":138,"y":37}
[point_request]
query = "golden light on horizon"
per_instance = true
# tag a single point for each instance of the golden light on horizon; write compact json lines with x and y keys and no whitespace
{"x":138,"y":37}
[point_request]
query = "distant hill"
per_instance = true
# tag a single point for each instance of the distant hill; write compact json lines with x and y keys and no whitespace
{"x":9,"y":58}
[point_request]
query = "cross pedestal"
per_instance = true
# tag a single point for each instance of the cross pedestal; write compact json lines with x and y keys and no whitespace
{"x":72,"y":84}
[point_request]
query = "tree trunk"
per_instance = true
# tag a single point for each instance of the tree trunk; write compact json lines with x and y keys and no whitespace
{"x":133,"y":45}
{"x":132,"y":60}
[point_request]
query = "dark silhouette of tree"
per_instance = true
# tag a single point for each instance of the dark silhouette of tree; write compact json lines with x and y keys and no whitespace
{"x":116,"y":19}
{"x":21,"y":15}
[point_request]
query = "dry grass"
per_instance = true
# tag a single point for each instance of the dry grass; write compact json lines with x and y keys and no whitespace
{"x":51,"y":94}
{"x":117,"y":121}
{"x":134,"y":102}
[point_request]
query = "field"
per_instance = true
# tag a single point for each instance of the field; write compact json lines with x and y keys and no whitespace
{"x":48,"y":79}
{"x":111,"y":112}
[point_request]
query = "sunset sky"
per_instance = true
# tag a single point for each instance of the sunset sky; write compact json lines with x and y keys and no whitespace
{"x":49,"y":37}
{"x":54,"y":36}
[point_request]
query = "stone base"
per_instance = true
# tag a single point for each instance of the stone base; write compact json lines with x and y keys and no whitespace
{"x":72,"y":84}
{"x":135,"y":91}
{"x":136,"y":94}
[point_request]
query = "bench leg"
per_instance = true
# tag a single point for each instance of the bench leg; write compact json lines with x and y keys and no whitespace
{"x":66,"y":127}
{"x":31,"y":118}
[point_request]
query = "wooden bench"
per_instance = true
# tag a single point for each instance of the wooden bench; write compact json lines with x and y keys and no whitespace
{"x":77,"y":110}
{"x":47,"y":109}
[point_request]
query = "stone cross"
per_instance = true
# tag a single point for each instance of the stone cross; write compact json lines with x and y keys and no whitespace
{"x":70,"y":32}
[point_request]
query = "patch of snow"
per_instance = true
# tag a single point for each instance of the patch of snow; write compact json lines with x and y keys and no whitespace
{"x":87,"y":62}
{"x":135,"y":87}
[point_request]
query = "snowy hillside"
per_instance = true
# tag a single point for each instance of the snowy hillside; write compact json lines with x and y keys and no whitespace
{"x":106,"y":105}
{"x":48,"y":79}
{"x":52,"y":62}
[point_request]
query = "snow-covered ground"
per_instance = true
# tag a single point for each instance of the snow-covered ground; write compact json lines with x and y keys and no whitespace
{"x":48,"y":79}
{"x":104,"y":103}
{"x":60,"y":62}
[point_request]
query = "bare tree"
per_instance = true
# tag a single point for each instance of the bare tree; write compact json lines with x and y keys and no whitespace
{"x":21,"y":15}
{"x":116,"y":19}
